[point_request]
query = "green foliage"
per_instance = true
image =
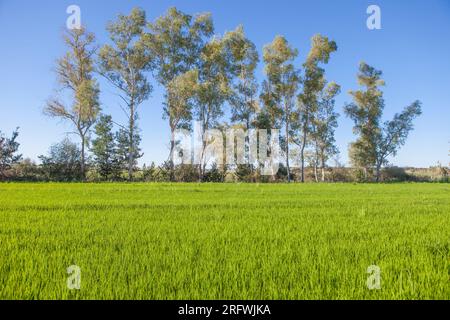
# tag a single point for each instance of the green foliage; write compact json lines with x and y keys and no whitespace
{"x":366,"y":112}
{"x":104,"y":150}
{"x":280,"y":88}
{"x":128,"y":147}
{"x":376,"y":142}
{"x":186,"y":173}
{"x":324,"y":124}
{"x":309,"y":108}
{"x":75,"y":74}
{"x":244,"y":173}
{"x":282,"y":79}
{"x":8,"y":153}
{"x":181,"y":92}
{"x":219,"y":65}
{"x":63,"y":162}
{"x":203,"y":73}
{"x":175,"y":40}
{"x":214,"y":174}
{"x":26,"y":170}
{"x":124,"y":64}
{"x":244,"y":90}
{"x":149,"y":172}
{"x":395,"y":174}
{"x":395,"y":132}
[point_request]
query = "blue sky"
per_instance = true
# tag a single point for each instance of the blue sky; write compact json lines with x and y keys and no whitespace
{"x":412,"y":49}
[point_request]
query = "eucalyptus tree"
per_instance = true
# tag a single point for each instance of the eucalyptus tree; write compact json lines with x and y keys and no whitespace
{"x":243,"y":100}
{"x":124,"y":64}
{"x":217,"y":70}
{"x":376,"y":141}
{"x":176,"y":40}
{"x":313,"y":83}
{"x":245,"y":87}
{"x":394,"y":134}
{"x":180,"y":96}
{"x":281,"y":86}
{"x":324,"y":126}
{"x":75,"y":75}
{"x":366,"y":112}
{"x":266,"y":118}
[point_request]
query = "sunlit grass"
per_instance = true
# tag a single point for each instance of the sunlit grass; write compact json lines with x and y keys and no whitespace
{"x":224,"y":241}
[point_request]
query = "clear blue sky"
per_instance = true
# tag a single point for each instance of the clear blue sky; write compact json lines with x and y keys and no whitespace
{"x":412,"y":49}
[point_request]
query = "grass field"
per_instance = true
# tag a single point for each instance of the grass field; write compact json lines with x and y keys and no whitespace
{"x":224,"y":241}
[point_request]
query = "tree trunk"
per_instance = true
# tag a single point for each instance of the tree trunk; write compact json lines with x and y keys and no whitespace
{"x":302,"y":152}
{"x":200,"y":176}
{"x":378,"y":177}
{"x":83,"y":158}
{"x":323,"y":170}
{"x":316,"y":173}
{"x":247,"y":150}
{"x":172,"y":150}
{"x":316,"y":163}
{"x":287,"y":147}
{"x":302,"y":158}
{"x":201,"y":167}
{"x":131,"y":144}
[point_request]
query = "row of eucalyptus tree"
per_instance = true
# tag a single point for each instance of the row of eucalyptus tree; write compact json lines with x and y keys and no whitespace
{"x":202,"y":74}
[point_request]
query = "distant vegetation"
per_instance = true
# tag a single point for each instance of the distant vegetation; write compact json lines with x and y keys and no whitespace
{"x":67,"y":170}
{"x":203,"y":74}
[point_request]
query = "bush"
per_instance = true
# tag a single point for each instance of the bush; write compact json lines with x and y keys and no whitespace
{"x":186,"y":173}
{"x":340,"y":174}
{"x":214,"y":174}
{"x":394,"y":174}
{"x":63,"y":162}
{"x":26,"y":170}
{"x":244,"y":173}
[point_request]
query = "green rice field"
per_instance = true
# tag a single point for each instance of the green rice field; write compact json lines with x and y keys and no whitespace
{"x":225,"y":241}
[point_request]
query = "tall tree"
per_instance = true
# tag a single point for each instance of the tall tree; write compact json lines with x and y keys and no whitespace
{"x":243,"y":101}
{"x":175,"y":40}
{"x":181,"y":92}
{"x":8,"y":152}
{"x":243,"y":98}
{"x":75,"y":74}
{"x":324,"y":126}
{"x":104,"y":148}
{"x":394,"y":135}
{"x":265,"y":120}
{"x":366,"y":112}
{"x":124,"y":64}
{"x":313,"y":84}
{"x":216,"y":73}
{"x":376,"y":141}
{"x":281,"y":86}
